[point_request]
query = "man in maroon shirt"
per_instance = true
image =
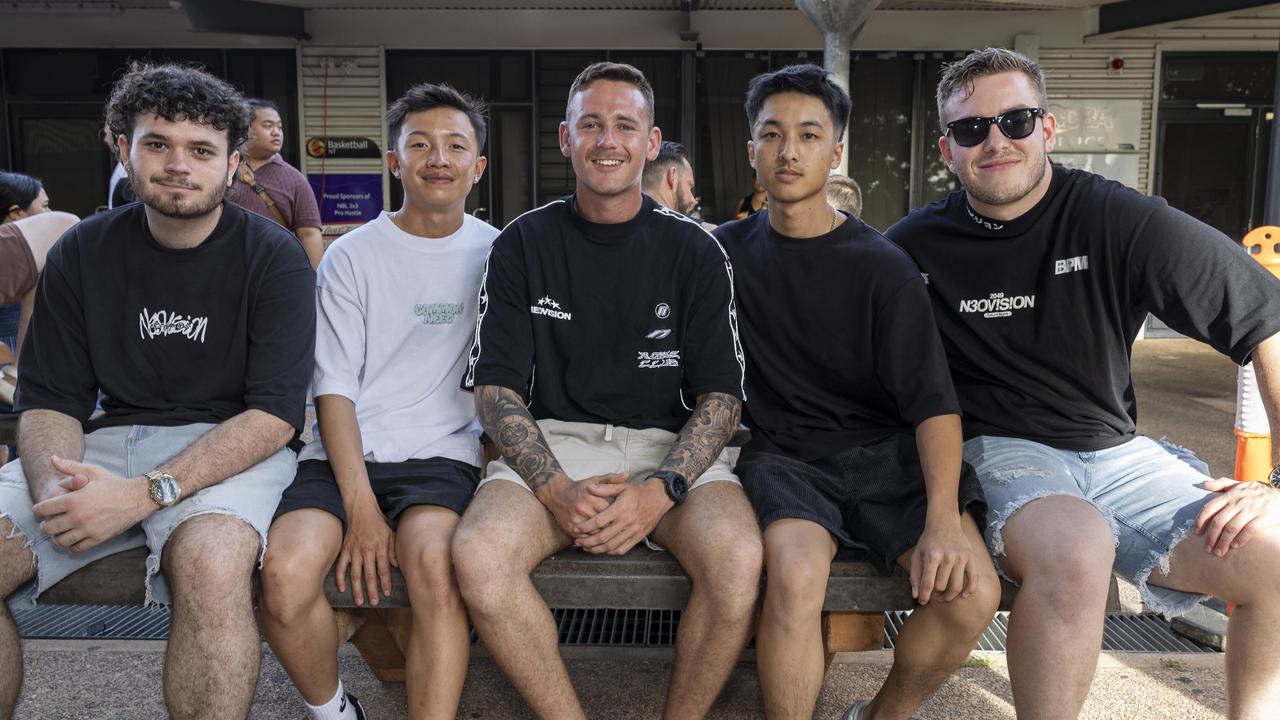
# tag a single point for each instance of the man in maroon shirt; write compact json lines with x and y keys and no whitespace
{"x":271,"y":187}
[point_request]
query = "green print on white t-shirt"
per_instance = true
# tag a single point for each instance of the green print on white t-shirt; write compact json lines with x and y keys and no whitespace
{"x":438,"y":313}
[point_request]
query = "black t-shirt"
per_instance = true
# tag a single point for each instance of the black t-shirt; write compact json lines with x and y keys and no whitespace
{"x":1038,"y":314}
{"x":841,"y":345}
{"x":625,"y":323}
{"x":171,"y":337}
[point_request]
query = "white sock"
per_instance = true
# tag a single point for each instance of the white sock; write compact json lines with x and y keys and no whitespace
{"x":336,"y":709}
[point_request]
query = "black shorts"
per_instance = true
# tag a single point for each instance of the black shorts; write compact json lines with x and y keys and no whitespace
{"x":872,"y":495}
{"x":397,"y":486}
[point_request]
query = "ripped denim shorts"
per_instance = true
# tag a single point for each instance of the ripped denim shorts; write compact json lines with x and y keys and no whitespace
{"x":129,"y":451}
{"x":1145,"y":489}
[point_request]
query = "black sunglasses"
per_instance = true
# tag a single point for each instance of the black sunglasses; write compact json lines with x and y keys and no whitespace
{"x":1015,"y":124}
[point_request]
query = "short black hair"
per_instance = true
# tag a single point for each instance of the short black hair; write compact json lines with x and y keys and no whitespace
{"x":427,"y":96}
{"x":17,"y":190}
{"x":176,"y":93}
{"x":669,"y":153}
{"x":256,"y":104}
{"x":803,"y":79}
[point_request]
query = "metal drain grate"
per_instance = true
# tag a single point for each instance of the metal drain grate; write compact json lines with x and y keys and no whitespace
{"x":602,"y":626}
{"x":1146,"y":633}
{"x":112,"y":622}
{"x":577,"y":627}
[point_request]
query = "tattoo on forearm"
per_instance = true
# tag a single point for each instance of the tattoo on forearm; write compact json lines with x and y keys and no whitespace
{"x":713,"y":422}
{"x":510,"y":426}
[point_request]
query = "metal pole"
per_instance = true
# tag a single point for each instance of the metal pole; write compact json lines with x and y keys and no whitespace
{"x":835,"y":58}
{"x":1271,"y":214}
{"x":840,"y":21}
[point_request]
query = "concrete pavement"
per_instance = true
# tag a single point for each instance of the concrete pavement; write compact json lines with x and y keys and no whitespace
{"x":90,"y":680}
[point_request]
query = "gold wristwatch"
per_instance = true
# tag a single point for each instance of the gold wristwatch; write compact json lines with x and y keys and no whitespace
{"x":163,"y":488}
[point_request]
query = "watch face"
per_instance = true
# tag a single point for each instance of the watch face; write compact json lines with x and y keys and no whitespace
{"x":164,"y":490}
{"x":1274,"y":478}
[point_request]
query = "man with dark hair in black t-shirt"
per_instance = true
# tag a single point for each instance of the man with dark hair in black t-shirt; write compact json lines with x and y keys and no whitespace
{"x":854,"y":423}
{"x":1041,"y":277}
{"x":617,"y":434}
{"x":192,"y":321}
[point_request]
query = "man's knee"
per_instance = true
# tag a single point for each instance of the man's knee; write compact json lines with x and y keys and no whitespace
{"x":796,"y":581}
{"x":729,"y":569}
{"x":291,"y":578}
{"x":428,"y":572}
{"x":969,"y":616}
{"x":1058,"y":539}
{"x":484,"y":566}
{"x":17,"y":560}
{"x":211,"y":553}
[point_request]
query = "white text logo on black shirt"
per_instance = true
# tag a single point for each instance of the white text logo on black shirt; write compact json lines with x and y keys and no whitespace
{"x":162,"y":324}
{"x":659,"y":359}
{"x":1062,"y":267}
{"x":998,"y":304}
{"x":988,"y":224}
{"x":662,"y":310}
{"x":550,"y":308}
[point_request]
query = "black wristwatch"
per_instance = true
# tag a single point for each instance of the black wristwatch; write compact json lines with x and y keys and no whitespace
{"x":677,"y":487}
{"x":1273,"y":479}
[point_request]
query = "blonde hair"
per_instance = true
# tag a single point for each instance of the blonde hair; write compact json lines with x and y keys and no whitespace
{"x":845,"y":194}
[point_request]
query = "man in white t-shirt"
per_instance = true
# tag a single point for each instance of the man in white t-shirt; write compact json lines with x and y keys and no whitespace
{"x":398,"y":456}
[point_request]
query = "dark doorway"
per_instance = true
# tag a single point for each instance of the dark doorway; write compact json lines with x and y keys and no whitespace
{"x":1213,"y":140}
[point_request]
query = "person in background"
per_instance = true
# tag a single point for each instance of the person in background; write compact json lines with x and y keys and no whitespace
{"x":24,"y":243}
{"x":20,"y":196}
{"x":845,"y":195}
{"x":269,"y":186}
{"x":668,"y":179}
{"x":119,"y":190}
{"x":753,"y":203}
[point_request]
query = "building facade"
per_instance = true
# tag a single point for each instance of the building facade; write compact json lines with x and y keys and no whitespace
{"x":1181,"y":108}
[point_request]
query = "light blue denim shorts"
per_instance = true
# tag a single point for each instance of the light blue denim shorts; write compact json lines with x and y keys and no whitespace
{"x":130,"y":451}
{"x":1145,"y":490}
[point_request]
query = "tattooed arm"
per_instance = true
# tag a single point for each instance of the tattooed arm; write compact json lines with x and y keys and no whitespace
{"x":519,"y":439}
{"x":638,"y":507}
{"x":703,"y":437}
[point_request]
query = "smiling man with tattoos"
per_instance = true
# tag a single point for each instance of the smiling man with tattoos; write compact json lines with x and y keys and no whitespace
{"x":616,"y":435}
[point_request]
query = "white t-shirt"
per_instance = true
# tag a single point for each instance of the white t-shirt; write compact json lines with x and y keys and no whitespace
{"x":395,"y":316}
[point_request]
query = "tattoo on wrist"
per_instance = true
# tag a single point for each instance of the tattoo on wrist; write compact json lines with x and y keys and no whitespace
{"x":704,"y":435}
{"x":517,"y":436}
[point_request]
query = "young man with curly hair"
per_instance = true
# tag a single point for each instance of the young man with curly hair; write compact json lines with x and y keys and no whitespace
{"x":193,"y":320}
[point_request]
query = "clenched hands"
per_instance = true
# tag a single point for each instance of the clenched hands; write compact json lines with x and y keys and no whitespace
{"x":573,"y":502}
{"x":636,"y":510}
{"x":94,"y":505}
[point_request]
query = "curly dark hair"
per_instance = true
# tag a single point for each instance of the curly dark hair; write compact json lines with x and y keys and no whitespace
{"x":176,"y":93}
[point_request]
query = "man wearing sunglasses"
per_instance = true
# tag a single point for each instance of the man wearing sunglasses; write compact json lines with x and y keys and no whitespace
{"x":1041,"y":277}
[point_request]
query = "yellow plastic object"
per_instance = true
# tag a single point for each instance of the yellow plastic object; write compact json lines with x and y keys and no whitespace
{"x":1263,"y":244}
{"x":1253,"y":450}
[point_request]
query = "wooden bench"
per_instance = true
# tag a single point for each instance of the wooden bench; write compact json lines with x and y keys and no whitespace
{"x":857,"y":596}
